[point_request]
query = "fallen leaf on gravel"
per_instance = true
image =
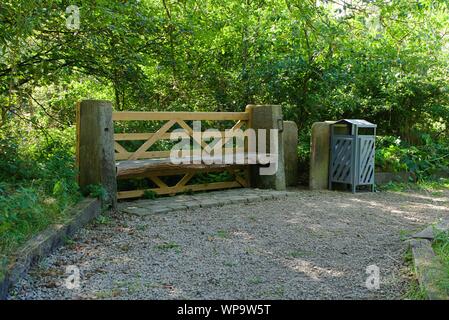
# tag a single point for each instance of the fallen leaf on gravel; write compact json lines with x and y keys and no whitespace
{"x":51,"y":284}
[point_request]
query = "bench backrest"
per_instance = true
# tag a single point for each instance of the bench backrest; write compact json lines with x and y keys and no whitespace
{"x":172,"y":119}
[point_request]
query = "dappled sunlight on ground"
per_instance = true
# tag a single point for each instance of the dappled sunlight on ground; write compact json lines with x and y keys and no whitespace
{"x":427,"y":196}
{"x":310,"y":245}
{"x":310,"y":270}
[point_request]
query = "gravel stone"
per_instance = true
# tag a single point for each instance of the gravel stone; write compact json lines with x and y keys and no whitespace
{"x":306,"y":245}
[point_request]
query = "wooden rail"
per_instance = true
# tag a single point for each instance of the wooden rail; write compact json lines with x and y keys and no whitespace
{"x":155,"y":116}
{"x":241,"y":177}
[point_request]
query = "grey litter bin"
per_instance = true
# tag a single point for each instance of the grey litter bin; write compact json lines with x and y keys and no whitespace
{"x":352,"y":148}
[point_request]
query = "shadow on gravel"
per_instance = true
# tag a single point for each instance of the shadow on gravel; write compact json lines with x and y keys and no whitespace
{"x":316,"y":245}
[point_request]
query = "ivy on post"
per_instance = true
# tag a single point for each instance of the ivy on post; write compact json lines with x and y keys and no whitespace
{"x":95,"y":148}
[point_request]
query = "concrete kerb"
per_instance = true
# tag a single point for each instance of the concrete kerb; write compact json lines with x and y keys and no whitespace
{"x":428,"y":267}
{"x":47,"y":241}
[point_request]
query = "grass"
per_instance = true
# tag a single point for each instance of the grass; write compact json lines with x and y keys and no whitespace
{"x":150,"y":194}
{"x":434,"y":186}
{"x":229,"y":264}
{"x":223,"y":234}
{"x":169,"y":246}
{"x":3,"y":264}
{"x":68,"y":241}
{"x":441,"y":248}
{"x":141,"y":227}
{"x":103,"y":220}
{"x":297,"y":254}
{"x":277,"y":292}
{"x":25,"y":210}
{"x":37,"y":183}
{"x":255,"y":280}
{"x":107,"y":294}
{"x":130,"y":286}
{"x":414,"y":291}
{"x":405,"y":234}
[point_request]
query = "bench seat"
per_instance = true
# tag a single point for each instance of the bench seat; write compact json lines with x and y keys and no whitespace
{"x":138,"y":168}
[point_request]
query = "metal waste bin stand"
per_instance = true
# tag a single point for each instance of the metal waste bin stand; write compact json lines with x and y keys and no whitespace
{"x":352,"y":151}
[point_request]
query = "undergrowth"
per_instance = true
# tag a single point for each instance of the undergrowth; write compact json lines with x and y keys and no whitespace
{"x":434,"y":186}
{"x":37,"y":183}
{"x":441,"y":248}
{"x":414,"y":290}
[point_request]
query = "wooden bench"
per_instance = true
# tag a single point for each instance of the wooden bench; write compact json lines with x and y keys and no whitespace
{"x":154,"y":165}
{"x":108,"y":151}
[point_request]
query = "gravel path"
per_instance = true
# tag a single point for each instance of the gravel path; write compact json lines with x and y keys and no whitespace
{"x":313,"y":245}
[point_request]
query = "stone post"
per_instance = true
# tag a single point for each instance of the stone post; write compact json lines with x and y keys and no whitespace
{"x":95,"y":148}
{"x":290,"y":144}
{"x":268,"y":117}
{"x":319,"y":156}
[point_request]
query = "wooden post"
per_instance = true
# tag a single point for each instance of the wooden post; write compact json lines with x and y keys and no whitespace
{"x":268,"y":117}
{"x":95,"y":148}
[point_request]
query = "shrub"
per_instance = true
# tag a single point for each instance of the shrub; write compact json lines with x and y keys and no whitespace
{"x":37,"y":174}
{"x":425,"y":159}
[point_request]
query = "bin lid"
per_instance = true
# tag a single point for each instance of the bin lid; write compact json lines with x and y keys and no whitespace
{"x":358,"y":122}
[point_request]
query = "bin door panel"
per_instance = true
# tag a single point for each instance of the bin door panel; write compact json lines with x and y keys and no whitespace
{"x":341,"y":160}
{"x":366,"y":164}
